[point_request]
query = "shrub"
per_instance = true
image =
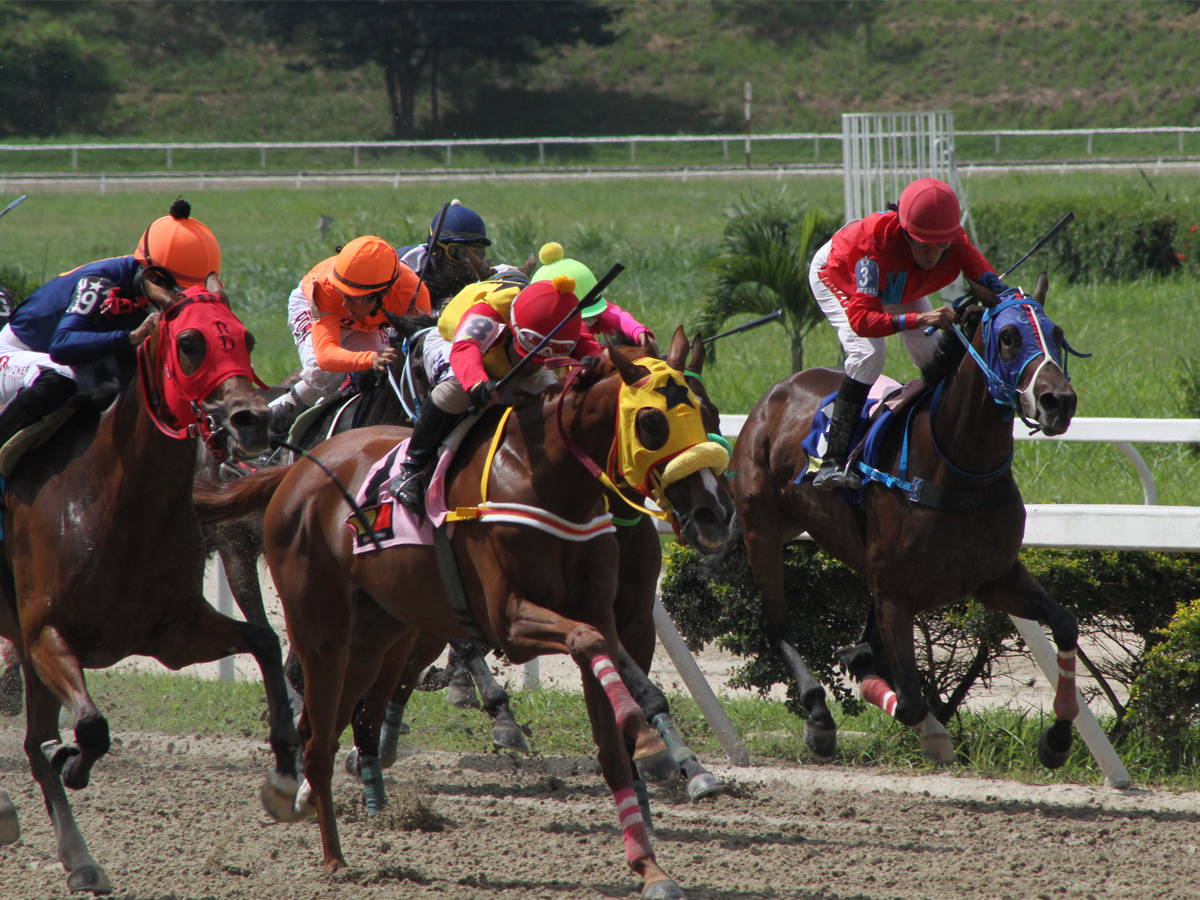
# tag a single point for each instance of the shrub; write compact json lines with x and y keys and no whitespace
{"x":1165,"y":698}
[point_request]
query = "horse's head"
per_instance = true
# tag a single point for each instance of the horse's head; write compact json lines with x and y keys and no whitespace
{"x":205,"y":384}
{"x":663,"y":447}
{"x":1025,"y":353}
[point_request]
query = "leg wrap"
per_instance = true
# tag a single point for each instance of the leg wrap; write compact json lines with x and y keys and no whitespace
{"x":876,"y":692}
{"x":622,"y":701}
{"x":633,"y":828}
{"x":372,"y":779}
{"x":1066,"y":703}
{"x":643,"y":799}
{"x":670,"y":735}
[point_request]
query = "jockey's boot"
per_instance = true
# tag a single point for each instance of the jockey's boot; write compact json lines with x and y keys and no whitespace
{"x":834,"y":472}
{"x":284,"y":412}
{"x":429,"y":430}
{"x":32,"y":404}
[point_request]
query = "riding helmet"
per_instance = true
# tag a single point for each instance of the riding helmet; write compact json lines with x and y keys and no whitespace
{"x":366,"y":265}
{"x":929,"y":211}
{"x":181,"y":245}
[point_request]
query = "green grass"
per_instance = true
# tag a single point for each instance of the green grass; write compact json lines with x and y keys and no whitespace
{"x":663,"y":231}
{"x":995,"y":743}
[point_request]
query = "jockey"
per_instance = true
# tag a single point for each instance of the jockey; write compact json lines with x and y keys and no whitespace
{"x":458,"y":257}
{"x":480,"y":336}
{"x":93,"y":312}
{"x":600,"y":317}
{"x":336,"y":320}
{"x":871,"y":280}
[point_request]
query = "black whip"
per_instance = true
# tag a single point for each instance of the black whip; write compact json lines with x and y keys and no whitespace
{"x":358,"y":512}
{"x":778,"y":314}
{"x":437,"y":233}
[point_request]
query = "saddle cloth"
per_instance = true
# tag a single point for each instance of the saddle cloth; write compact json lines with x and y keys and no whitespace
{"x":391,"y":522}
{"x":868,"y":435}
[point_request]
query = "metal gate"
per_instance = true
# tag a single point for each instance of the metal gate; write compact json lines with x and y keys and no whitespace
{"x":883,"y":152}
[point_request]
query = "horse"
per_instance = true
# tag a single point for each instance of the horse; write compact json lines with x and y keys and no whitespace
{"x":105,"y":557}
{"x":951,"y":532}
{"x":637,"y":582}
{"x":346,"y":612}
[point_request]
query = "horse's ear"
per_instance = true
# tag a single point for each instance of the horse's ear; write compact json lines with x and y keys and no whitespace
{"x":631,"y":373}
{"x":1040,"y":289}
{"x":162,"y":298}
{"x":214,"y":285}
{"x":530,"y":266}
{"x":677,"y":354}
{"x":696,"y":363}
{"x":982,"y":295}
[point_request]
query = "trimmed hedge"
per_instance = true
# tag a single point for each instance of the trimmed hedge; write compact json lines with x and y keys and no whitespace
{"x":1111,"y":239}
{"x":1125,"y":596}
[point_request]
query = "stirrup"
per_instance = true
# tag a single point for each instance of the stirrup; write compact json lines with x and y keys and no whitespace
{"x":408,"y":490}
{"x":835,"y":474}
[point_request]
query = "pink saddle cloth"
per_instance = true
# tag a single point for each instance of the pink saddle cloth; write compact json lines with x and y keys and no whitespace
{"x":390,"y":523}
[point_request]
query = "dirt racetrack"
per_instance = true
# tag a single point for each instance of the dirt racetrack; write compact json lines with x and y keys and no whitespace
{"x":179,"y":818}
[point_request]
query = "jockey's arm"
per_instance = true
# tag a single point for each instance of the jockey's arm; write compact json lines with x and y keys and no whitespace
{"x":331,"y":355}
{"x":615,"y":320}
{"x":979,"y":270}
{"x":480,"y":328}
{"x":587,"y":345}
{"x":84,"y":334}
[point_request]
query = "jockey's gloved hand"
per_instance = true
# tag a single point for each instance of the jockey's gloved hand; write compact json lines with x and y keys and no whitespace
{"x":992,"y":282}
{"x":482,"y":395}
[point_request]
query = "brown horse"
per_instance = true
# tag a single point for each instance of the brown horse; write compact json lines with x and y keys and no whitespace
{"x":105,"y":555}
{"x":955,"y":531}
{"x":531,"y":593}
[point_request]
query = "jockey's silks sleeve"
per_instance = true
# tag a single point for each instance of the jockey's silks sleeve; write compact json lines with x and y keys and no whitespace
{"x":871,"y":268}
{"x":616,"y":321}
{"x":67,"y":304}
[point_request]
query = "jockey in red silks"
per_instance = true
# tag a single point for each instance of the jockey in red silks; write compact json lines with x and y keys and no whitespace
{"x":481,"y":334}
{"x":871,"y":280}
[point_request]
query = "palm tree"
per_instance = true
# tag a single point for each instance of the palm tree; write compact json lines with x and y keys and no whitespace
{"x":763,"y":266}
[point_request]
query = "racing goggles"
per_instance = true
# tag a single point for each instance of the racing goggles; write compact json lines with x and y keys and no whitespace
{"x":527,"y":339}
{"x":460,"y":251}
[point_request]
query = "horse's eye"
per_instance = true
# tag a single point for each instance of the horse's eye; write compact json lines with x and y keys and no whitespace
{"x":186,"y":345}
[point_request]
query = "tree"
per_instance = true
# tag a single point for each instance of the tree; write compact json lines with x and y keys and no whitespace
{"x":410,"y":40}
{"x":763,"y":266}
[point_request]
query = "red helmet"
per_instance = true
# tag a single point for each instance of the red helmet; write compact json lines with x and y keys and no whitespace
{"x":538,"y":309}
{"x":929,"y":211}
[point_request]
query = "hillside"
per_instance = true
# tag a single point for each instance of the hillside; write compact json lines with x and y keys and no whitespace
{"x":675,"y":67}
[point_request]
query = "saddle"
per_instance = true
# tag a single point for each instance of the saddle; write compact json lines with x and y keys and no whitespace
{"x":33,"y":436}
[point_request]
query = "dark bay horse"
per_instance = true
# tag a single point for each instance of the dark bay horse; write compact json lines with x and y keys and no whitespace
{"x":531,"y":593}
{"x":961,"y":539}
{"x":105,"y":557}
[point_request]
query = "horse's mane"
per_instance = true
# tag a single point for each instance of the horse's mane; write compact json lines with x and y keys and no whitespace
{"x":949,"y":352}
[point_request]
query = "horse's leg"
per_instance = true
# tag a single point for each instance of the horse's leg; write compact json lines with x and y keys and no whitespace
{"x":205,"y":635}
{"x":426,"y":651}
{"x":461,"y":690}
{"x":42,"y":707}
{"x":763,"y":534}
{"x":10,"y":825}
{"x":506,"y":733}
{"x":1019,"y":594}
{"x":700,"y":782}
{"x":611,"y":711}
{"x":59,"y":670}
{"x":905,"y":703}
{"x":363,"y":760}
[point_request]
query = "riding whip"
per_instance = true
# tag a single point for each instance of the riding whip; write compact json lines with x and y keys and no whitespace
{"x":778,"y":314}
{"x":1065,"y":221}
{"x":437,"y":233}
{"x":358,"y":513}
{"x":13,"y":205}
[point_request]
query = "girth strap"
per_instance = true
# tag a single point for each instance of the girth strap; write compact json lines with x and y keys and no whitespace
{"x":447,"y":565}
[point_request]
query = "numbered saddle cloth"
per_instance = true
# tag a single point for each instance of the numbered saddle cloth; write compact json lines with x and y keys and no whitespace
{"x":391,"y":524}
{"x":815,"y":444}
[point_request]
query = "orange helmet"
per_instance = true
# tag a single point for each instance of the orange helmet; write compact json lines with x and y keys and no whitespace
{"x":181,"y":245}
{"x":366,"y":265}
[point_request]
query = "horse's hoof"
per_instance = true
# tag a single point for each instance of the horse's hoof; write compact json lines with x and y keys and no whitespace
{"x":821,"y":741}
{"x":352,"y":764}
{"x":704,"y":785}
{"x":508,"y":737}
{"x":59,"y":754}
{"x":658,"y":766}
{"x":663,"y":889}
{"x":305,"y":807}
{"x":89,"y":878}
{"x":936,"y":744}
{"x":463,"y":696}
{"x":10,"y":826}
{"x":278,"y":796}
{"x":1054,"y":745}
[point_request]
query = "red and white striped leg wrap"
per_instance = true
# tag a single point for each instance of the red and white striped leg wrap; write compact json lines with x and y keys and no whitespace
{"x":622,"y":701}
{"x":633,"y":826}
{"x":876,"y":691}
{"x":1066,"y":701}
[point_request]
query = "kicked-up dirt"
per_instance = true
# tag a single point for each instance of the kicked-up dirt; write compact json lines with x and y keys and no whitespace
{"x":171,"y":817}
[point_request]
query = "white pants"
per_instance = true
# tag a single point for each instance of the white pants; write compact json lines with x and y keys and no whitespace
{"x":447,"y":394}
{"x":315,"y":382}
{"x":865,"y":356}
{"x":20,"y":366}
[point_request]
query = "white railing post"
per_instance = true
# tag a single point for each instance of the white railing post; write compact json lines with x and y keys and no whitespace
{"x":531,"y":675}
{"x":225,"y":608}
{"x":448,"y":149}
{"x":263,"y":158}
{"x":168,"y":159}
{"x":356,"y":156}
{"x":75,"y":158}
{"x":633,"y":151}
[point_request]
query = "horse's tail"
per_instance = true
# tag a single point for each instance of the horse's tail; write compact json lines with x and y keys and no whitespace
{"x":217,"y":503}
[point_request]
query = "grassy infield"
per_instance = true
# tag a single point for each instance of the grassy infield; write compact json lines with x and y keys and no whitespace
{"x":663,"y":231}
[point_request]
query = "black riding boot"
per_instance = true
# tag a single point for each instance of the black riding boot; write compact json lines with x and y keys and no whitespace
{"x":429,"y":430}
{"x":32,"y":404}
{"x":846,"y":409}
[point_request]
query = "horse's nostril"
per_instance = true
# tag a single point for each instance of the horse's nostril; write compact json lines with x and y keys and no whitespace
{"x":245,"y":419}
{"x":1049,"y":401}
{"x":706,"y":515}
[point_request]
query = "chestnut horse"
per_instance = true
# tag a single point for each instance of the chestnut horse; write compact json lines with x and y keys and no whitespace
{"x":530,"y":592}
{"x":953,"y":531}
{"x":105,"y":557}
